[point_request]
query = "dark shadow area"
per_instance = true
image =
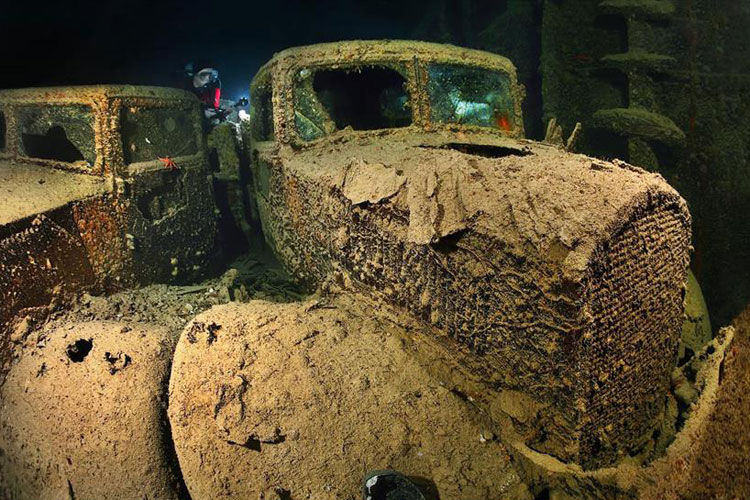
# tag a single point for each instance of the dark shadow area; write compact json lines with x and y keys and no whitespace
{"x":486,"y":150}
{"x":392,"y":485}
{"x":78,"y":350}
{"x":232,"y":240}
{"x":368,"y":98}
{"x":617,"y":25}
{"x":163,"y":200}
{"x":213,"y":160}
{"x":449,"y":243}
{"x":604,"y":144}
{"x":3,"y":129}
{"x":263,"y":106}
{"x":543,"y":495}
{"x":426,"y":486}
{"x":53,"y":145}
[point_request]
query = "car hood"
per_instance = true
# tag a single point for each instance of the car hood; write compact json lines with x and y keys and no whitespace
{"x":518,"y":192}
{"x":30,"y":190}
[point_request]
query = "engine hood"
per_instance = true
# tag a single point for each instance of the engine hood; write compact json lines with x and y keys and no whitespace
{"x":544,"y":268}
{"x":516,"y":191}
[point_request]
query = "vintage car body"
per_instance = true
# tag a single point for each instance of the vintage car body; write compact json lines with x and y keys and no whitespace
{"x":555,"y":281}
{"x":90,"y":197}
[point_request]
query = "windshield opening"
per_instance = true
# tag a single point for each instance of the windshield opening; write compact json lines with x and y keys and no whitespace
{"x":364,"y":98}
{"x":470,"y":95}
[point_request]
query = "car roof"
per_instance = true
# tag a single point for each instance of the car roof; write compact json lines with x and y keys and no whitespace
{"x":84,"y":93}
{"x":346,"y":51}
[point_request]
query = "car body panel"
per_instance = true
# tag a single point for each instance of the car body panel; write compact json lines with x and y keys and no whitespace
{"x":520,"y":255}
{"x":33,"y":189}
{"x":139,"y":221}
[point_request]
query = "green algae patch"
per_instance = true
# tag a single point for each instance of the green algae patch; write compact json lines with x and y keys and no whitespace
{"x":696,"y":328}
{"x":640,"y":123}
{"x":223,"y":139}
{"x":638,"y":60}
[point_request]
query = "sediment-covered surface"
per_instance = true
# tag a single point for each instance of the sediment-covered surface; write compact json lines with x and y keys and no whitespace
{"x":29,"y":190}
{"x":36,"y":263}
{"x":299,"y":400}
{"x":555,"y":270}
{"x":719,"y":468}
{"x":253,"y":276}
{"x":708,"y":461}
{"x":84,"y":415}
{"x":674,"y":470}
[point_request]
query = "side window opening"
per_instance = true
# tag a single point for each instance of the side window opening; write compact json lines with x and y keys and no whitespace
{"x":60,"y":133}
{"x":364,"y":98}
{"x":150,"y":133}
{"x":3,"y":129}
{"x":262,"y":123}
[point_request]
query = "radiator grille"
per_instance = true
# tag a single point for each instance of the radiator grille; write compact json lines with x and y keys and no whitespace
{"x":635,"y":296}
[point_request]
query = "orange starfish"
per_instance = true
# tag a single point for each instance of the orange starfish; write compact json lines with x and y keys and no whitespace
{"x":169,"y":164}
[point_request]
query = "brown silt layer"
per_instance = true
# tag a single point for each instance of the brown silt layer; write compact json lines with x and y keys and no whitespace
{"x":551,"y":272}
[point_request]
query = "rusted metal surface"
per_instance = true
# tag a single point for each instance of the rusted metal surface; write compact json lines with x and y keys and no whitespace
{"x":142,"y":222}
{"x":541,"y":270}
{"x":36,"y":262}
{"x":100,"y":222}
{"x":361,"y":53}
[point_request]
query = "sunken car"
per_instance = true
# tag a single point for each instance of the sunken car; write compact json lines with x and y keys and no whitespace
{"x":555,"y":281}
{"x":103,"y":186}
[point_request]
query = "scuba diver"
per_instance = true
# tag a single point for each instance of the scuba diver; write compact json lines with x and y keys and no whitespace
{"x":205,"y":83}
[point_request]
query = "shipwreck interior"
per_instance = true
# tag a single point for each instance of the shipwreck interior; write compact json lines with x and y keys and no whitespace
{"x":446,"y":250}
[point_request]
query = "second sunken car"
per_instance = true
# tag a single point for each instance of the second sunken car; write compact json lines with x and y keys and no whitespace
{"x":105,"y":185}
{"x":554,"y":279}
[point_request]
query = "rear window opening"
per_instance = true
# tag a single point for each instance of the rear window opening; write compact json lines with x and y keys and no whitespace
{"x":59,"y":133}
{"x":364,"y":98}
